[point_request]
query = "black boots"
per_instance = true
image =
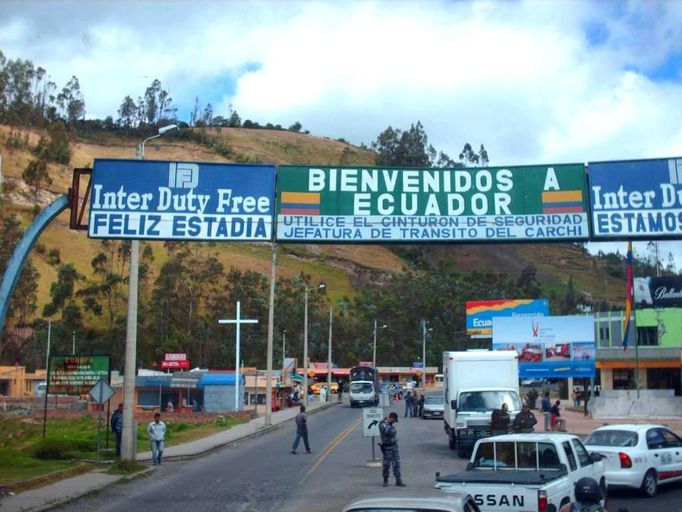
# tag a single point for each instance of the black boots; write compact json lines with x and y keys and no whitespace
{"x":385,"y":482}
{"x":399,"y":483}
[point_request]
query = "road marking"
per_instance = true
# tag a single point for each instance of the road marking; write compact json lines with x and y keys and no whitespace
{"x":330,"y":448}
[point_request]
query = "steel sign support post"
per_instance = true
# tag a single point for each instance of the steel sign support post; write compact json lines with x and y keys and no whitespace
{"x":271,"y":330}
{"x":128,"y":436}
{"x":47,"y":376}
{"x":238,"y":321}
{"x":305,"y":347}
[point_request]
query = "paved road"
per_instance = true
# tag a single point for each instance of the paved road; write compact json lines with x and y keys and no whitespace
{"x":261,"y":475}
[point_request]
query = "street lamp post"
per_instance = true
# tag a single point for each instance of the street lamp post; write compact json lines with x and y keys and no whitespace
{"x":424,"y":331}
{"x":305,"y":342}
{"x":128,"y":434}
{"x":374,"y":351}
{"x":284,"y":346}
{"x":329,"y":358}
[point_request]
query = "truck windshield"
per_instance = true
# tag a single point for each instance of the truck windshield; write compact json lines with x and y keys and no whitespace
{"x":483,"y":401}
{"x":360,"y":387}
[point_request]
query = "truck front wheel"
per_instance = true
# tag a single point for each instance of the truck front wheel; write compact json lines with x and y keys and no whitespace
{"x":463,"y":452}
{"x":452,"y":441}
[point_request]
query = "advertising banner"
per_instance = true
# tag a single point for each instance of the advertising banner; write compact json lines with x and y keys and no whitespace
{"x":549,"y":347}
{"x":636,"y":198}
{"x":659,"y":327}
{"x":480,"y":313}
{"x":658,"y":292}
{"x":76,"y":374}
{"x":175,"y":365}
{"x":324,"y":204}
{"x":157,"y":200}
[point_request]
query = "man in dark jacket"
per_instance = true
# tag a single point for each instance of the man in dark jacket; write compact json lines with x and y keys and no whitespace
{"x":547,"y":411}
{"x":389,"y":449}
{"x":117,"y":428}
{"x":301,"y":431}
{"x":500,"y":421}
{"x":525,"y":420}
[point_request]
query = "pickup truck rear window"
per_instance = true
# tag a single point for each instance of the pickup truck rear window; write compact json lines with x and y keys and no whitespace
{"x":516,"y":455}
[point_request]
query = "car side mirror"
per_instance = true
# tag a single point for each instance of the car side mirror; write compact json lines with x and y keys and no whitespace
{"x":596,"y":457}
{"x":453,"y":404}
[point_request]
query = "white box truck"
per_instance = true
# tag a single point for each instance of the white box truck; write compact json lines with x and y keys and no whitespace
{"x":476,"y":383}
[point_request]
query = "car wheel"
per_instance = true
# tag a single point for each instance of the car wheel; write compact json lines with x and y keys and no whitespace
{"x":650,"y":484}
{"x":452,"y":442}
{"x":604,"y":493}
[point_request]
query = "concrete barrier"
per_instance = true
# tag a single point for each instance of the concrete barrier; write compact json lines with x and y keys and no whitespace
{"x":652,"y":403}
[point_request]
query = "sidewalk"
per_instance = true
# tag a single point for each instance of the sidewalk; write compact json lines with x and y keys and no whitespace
{"x":578,"y":424}
{"x":70,"y":489}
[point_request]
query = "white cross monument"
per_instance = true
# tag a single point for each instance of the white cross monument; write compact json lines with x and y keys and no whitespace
{"x":237,"y":321}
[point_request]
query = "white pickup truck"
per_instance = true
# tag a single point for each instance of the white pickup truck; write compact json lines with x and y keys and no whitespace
{"x":525,"y":472}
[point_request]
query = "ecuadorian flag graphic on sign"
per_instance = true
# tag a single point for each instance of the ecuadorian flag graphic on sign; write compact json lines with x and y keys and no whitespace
{"x":562,"y":201}
{"x":300,"y":203}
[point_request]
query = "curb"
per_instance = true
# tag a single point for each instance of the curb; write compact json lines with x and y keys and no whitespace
{"x":124,"y":478}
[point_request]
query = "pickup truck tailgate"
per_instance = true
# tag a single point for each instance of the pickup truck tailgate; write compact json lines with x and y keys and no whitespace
{"x":494,"y":491}
{"x":493,"y":498}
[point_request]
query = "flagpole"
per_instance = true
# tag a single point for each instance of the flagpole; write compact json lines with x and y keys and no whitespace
{"x":634,"y":325}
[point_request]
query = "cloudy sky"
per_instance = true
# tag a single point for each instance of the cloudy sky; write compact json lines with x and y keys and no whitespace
{"x":536,"y":82}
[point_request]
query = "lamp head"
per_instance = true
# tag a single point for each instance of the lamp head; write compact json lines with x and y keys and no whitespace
{"x":167,"y":128}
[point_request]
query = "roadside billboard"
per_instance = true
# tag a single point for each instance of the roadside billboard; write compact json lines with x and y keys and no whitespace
{"x":343,"y":204}
{"x":636,"y":199}
{"x":548,"y":347}
{"x":658,"y":292}
{"x":480,"y":313}
{"x":160,"y":200}
{"x":659,"y":327}
{"x":76,"y":374}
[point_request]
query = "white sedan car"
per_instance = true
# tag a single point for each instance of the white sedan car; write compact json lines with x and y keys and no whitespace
{"x":638,"y":456}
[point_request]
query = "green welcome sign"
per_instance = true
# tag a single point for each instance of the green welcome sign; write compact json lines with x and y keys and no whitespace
{"x":373,"y":204}
{"x":76,"y":374}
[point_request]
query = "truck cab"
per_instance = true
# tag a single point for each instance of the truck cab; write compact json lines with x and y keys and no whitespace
{"x":476,"y":383}
{"x":364,"y":386}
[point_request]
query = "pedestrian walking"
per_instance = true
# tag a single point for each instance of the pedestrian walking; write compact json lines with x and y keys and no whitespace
{"x":339,"y":393}
{"x":547,"y":411}
{"x":557,"y":420}
{"x":117,"y":428}
{"x":408,"y":404}
{"x":420,"y":404}
{"x":301,"y":431}
{"x":156,"y":431}
{"x":499,"y":422}
{"x":389,"y":449}
{"x":525,"y":421}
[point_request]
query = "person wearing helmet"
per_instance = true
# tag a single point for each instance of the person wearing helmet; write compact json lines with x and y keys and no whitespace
{"x":588,"y":497}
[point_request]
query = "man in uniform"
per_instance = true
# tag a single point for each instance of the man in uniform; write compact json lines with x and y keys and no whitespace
{"x":525,"y":421}
{"x":389,"y":449}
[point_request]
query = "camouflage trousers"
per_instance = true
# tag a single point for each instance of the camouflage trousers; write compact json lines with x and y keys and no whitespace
{"x":391,"y":456}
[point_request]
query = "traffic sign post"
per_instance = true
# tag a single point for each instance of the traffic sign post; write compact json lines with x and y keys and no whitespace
{"x":100,"y":394}
{"x":371,"y":417}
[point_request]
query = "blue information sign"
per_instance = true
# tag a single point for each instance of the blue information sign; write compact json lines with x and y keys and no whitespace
{"x":161,"y":200}
{"x":636,"y":199}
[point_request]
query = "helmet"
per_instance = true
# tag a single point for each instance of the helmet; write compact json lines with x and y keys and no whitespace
{"x":587,"y":490}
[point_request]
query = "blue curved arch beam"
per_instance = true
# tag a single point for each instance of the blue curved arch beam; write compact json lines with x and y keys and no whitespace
{"x":16,"y":262}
